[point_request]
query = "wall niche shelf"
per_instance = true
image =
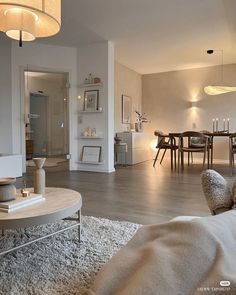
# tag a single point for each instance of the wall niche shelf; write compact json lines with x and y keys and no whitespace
{"x":90,"y":112}
{"x":90,"y":85}
{"x":90,"y":137}
{"x":90,"y":163}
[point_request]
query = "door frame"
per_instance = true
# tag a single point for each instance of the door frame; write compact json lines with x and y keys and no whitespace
{"x":32,"y":68}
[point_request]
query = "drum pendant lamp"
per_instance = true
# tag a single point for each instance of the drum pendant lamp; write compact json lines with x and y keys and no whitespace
{"x":26,"y":20}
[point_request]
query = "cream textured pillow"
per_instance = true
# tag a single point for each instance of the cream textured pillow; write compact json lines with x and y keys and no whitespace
{"x":234,"y":194}
{"x":217,"y":192}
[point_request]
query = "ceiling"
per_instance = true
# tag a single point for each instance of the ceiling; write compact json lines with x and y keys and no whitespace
{"x":153,"y":36}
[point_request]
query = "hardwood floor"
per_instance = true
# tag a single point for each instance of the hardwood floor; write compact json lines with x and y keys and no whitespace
{"x":138,"y":193}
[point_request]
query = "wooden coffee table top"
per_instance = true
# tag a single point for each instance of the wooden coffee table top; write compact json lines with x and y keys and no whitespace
{"x":59,"y":203}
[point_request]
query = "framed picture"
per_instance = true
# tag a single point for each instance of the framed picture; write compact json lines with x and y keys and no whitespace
{"x":91,"y":154}
{"x":126,"y":109}
{"x":91,"y":100}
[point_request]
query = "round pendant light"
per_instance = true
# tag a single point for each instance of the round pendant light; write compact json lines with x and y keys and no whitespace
{"x":215,"y":90}
{"x":219,"y":89}
{"x":26,"y":20}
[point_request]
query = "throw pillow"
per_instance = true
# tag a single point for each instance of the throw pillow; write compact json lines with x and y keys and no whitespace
{"x":216,"y":191}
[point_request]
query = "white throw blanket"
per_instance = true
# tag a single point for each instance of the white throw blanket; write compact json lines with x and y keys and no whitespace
{"x":174,"y":258}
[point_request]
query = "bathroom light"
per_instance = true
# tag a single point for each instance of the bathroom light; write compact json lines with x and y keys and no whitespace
{"x":218,"y":89}
{"x":26,"y":20}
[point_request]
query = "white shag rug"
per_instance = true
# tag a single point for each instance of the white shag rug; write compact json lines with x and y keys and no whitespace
{"x":60,"y":264}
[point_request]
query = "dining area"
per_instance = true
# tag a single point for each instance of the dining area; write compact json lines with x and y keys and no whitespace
{"x":184,"y":145}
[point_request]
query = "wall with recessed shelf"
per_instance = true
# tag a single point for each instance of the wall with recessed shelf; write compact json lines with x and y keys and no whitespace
{"x":97,"y":59}
{"x":42,"y":57}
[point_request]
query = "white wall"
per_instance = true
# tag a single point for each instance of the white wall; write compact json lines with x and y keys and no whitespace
{"x":35,"y":56}
{"x":98,"y":59}
{"x":167,"y":97}
{"x":5,"y":97}
{"x":129,"y":83}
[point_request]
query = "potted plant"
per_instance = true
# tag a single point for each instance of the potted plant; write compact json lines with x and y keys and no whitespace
{"x":140,"y":120}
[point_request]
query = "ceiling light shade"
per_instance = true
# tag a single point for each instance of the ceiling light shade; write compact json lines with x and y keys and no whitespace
{"x":219,"y":89}
{"x":215,"y":90}
{"x":29,"y":19}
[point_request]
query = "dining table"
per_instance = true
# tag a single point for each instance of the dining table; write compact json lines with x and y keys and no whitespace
{"x":174,"y":135}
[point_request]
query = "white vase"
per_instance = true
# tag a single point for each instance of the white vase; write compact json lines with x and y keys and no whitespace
{"x":139,"y":127}
{"x":39,"y":176}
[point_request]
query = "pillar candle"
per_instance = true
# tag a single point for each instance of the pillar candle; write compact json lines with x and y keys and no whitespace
{"x":224,"y":124}
{"x":217,"y":121}
{"x":213,"y":125}
{"x":228,"y":124}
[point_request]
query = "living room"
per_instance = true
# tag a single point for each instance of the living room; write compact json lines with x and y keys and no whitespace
{"x":147,"y":57}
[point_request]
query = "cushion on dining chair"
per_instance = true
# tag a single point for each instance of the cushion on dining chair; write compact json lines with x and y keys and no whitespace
{"x":217,"y":191}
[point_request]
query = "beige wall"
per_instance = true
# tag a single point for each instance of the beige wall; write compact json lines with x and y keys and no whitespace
{"x":166,"y":99}
{"x":127,"y":82}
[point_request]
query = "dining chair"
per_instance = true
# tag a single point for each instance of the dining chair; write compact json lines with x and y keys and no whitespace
{"x":201,"y":145}
{"x":232,"y":151}
{"x":164,"y":143}
{"x":198,"y":142}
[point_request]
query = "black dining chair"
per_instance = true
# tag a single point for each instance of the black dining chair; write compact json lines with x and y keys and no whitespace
{"x":201,"y":146}
{"x":232,"y":151}
{"x":198,"y":142}
{"x":164,"y":143}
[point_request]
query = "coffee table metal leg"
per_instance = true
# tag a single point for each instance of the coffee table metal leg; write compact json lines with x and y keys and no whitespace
{"x":79,"y":225}
{"x":38,"y":239}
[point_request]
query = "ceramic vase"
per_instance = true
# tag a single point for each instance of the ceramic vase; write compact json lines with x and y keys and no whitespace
{"x":39,"y":176}
{"x":139,"y":127}
{"x":7,"y":189}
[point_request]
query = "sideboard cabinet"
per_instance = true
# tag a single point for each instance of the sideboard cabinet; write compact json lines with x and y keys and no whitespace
{"x":137,"y":148}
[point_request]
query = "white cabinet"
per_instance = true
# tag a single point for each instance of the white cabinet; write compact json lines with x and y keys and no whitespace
{"x":138,"y":149}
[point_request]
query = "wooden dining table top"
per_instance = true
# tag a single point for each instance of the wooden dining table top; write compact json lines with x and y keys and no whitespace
{"x":177,"y":134}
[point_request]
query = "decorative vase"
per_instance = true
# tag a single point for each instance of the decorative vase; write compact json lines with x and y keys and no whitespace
{"x":7,"y":189}
{"x":139,"y":127}
{"x":39,"y":176}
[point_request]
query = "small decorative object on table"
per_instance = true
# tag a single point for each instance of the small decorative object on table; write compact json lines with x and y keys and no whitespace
{"x":215,"y":126}
{"x":39,"y":176}
{"x":7,"y":189}
{"x":24,"y":192}
{"x":140,"y":120}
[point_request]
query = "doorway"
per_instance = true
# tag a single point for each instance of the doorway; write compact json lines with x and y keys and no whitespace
{"x":46,"y":119}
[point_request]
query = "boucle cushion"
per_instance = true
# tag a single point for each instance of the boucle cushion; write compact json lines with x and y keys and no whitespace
{"x":216,"y":191}
{"x":234,"y":194}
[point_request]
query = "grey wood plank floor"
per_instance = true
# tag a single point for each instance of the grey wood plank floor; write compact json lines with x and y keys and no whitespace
{"x":139,"y":193}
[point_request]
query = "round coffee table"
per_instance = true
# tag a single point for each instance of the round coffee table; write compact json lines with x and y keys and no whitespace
{"x":59,"y":204}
